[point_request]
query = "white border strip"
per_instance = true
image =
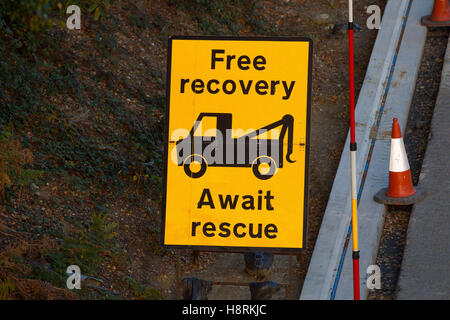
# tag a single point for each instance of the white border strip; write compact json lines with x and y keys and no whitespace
{"x":350,"y":11}
{"x":398,"y":160}
{"x":324,"y":262}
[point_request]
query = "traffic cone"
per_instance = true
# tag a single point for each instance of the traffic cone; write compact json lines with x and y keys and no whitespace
{"x":440,"y":16}
{"x":401,"y":190}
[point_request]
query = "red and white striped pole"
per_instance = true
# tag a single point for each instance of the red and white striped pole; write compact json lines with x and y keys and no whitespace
{"x":355,"y":253}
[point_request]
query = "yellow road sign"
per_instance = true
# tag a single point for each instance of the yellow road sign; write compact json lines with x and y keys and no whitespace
{"x":237,"y":143}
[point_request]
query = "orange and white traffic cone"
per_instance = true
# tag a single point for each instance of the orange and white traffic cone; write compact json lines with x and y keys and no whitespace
{"x":401,"y":190}
{"x":440,"y":16}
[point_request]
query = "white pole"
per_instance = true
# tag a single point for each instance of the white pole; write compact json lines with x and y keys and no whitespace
{"x":350,"y":11}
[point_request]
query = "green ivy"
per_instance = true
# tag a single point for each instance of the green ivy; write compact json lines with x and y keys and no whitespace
{"x":32,"y":16}
{"x":34,"y":68}
{"x":26,"y":15}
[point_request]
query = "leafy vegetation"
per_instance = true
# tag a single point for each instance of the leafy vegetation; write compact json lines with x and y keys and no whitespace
{"x":12,"y":160}
{"x":24,"y":15}
{"x":64,"y":145}
{"x":38,"y":15}
{"x":85,"y":246}
{"x":81,"y":120}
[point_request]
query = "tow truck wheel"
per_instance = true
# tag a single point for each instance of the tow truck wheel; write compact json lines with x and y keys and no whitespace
{"x":194,"y":166}
{"x":264,"y":168}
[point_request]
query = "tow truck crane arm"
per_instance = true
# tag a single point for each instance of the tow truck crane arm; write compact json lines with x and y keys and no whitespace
{"x":287,"y":123}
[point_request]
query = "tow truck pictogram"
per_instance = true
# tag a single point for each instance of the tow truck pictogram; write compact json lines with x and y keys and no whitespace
{"x":263,"y":155}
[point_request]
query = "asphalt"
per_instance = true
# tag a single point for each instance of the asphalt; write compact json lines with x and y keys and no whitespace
{"x":425,"y":270}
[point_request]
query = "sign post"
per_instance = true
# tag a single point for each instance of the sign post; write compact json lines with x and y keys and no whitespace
{"x":237,"y":143}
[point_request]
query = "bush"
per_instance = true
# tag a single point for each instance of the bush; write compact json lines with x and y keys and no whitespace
{"x":37,"y":15}
{"x":12,"y":160}
{"x":85,"y":246}
{"x":26,"y":15}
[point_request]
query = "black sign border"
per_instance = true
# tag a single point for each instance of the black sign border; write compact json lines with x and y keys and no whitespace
{"x":238,"y":249}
